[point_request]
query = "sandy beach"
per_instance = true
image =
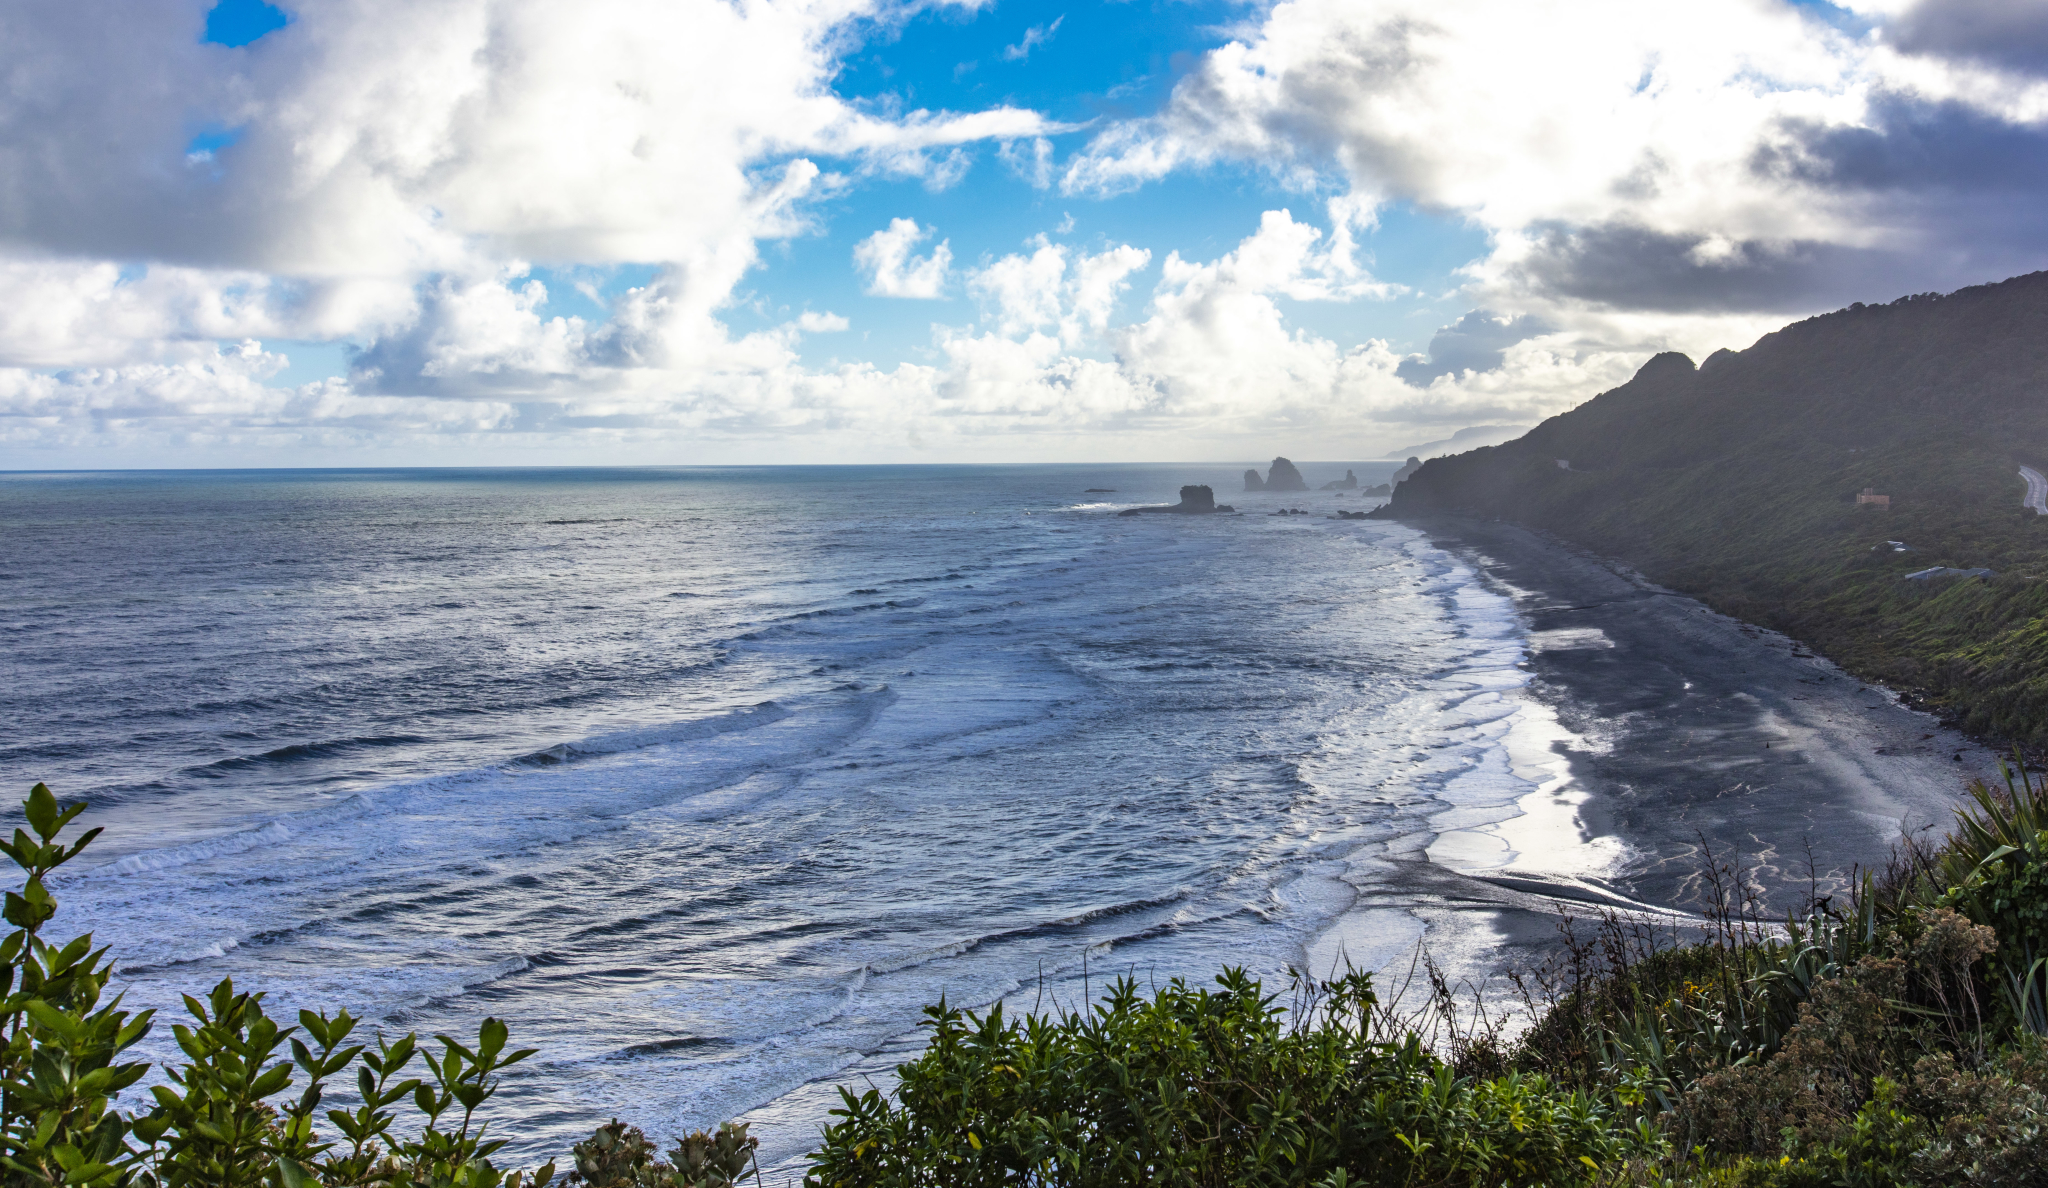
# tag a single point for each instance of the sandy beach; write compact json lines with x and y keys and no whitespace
{"x":1657,"y":729}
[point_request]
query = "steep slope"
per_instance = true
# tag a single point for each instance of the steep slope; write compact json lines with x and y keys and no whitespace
{"x":1737,"y":482}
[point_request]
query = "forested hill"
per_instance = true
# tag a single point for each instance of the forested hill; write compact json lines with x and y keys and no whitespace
{"x":1736,"y":482}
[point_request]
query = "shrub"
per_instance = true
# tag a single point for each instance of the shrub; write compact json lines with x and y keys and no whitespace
{"x":619,"y":1156}
{"x":215,"y":1125}
{"x":1204,"y":1087}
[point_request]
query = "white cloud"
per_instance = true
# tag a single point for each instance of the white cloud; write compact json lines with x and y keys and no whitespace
{"x":390,"y":139}
{"x":1645,"y":177}
{"x":1073,"y":294}
{"x":1030,"y":160}
{"x":892,"y":269}
{"x":1034,"y":37}
{"x":1209,"y":359}
{"x":1735,"y":155}
{"x":813,"y":322}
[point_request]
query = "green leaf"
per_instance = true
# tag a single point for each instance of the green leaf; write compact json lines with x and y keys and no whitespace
{"x":41,"y":809}
{"x":272,"y":1080}
{"x":52,"y":1018}
{"x":21,"y":913}
{"x":453,"y":1048}
{"x":491,"y":1038}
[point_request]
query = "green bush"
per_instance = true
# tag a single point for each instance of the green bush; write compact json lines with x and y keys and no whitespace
{"x":619,"y":1156}
{"x":216,"y":1125}
{"x":1205,"y":1087}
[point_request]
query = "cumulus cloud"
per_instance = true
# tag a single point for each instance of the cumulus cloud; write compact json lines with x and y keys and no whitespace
{"x":217,"y":395}
{"x":387,"y":140}
{"x":392,"y":173}
{"x":1073,"y":295}
{"x":1476,"y":342}
{"x":892,"y":269}
{"x":1205,"y":360}
{"x":2007,"y":33}
{"x":1735,"y":156}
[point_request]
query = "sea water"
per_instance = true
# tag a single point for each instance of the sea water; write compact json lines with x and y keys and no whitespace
{"x":709,"y":780}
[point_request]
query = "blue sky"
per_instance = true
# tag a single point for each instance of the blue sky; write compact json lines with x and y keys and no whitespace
{"x":898,"y":230}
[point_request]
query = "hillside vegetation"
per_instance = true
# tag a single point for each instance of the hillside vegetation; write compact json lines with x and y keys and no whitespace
{"x":1736,"y":481}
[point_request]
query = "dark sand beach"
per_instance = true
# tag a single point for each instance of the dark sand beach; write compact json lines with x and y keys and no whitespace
{"x":1694,"y":731}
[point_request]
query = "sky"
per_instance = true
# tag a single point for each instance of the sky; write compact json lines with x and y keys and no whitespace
{"x":490,"y":232}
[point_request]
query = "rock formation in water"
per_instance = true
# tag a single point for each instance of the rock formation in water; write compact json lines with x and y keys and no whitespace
{"x":1284,"y":477}
{"x":1194,"y":501}
{"x":1252,"y":481}
{"x":1348,"y":483}
{"x":1414,"y":464}
{"x":1381,"y":489}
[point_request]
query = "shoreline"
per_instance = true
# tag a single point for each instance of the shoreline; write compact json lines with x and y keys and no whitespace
{"x":1652,"y":727}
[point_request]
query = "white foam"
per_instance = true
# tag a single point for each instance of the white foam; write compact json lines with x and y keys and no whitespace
{"x":241,"y":841}
{"x":1517,"y":807}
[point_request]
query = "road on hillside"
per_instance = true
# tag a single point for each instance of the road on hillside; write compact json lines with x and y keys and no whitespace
{"x":2037,"y":490}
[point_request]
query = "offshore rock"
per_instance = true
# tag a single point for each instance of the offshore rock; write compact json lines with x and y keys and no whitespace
{"x":1284,"y":477}
{"x":1252,"y":481}
{"x":1348,"y":483}
{"x":1414,"y":464}
{"x":1194,"y":501}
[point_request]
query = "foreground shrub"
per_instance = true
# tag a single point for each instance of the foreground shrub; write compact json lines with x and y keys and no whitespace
{"x":218,"y":1123}
{"x":619,"y":1156}
{"x":1204,"y":1087}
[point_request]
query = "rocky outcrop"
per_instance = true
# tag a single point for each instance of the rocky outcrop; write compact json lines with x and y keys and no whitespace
{"x":1381,"y":489}
{"x":1194,"y":501}
{"x":1414,"y":464}
{"x":1252,"y":481}
{"x":1348,"y":483}
{"x":1284,"y":477}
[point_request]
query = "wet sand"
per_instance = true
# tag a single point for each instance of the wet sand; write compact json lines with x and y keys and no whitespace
{"x":1687,"y":731}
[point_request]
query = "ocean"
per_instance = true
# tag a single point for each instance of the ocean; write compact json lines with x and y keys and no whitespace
{"x":707,"y":780}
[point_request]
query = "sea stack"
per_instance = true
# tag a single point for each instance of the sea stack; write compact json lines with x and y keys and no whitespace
{"x":1414,"y":464}
{"x":1348,"y":483}
{"x":1194,"y":501}
{"x":1284,"y":477}
{"x":1252,"y":481}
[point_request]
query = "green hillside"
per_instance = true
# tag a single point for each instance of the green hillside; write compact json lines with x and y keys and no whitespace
{"x":1736,"y":481}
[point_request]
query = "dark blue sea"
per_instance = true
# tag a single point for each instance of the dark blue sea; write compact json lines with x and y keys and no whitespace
{"x":708,"y":779}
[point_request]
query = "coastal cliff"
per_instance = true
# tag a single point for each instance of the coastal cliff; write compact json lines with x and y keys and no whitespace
{"x":1796,"y":484}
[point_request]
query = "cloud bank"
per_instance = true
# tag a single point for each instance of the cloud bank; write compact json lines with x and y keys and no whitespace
{"x":391,"y":174}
